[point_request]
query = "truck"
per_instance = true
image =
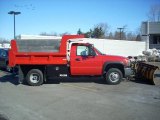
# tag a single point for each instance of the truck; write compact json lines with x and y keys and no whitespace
{"x":37,"y":61}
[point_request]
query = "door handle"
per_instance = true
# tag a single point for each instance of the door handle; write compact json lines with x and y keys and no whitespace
{"x":77,"y":59}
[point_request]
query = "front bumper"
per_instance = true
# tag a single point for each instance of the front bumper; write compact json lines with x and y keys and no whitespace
{"x":128,"y":72}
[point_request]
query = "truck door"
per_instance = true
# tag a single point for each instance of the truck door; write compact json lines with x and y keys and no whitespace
{"x":85,"y":61}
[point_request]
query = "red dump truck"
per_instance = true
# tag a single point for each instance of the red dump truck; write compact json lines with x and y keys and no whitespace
{"x":37,"y":61}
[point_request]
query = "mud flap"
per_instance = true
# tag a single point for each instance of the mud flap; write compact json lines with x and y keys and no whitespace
{"x":20,"y":75}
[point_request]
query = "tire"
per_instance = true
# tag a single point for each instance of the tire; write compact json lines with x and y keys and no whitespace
{"x":34,"y":77}
{"x":113,"y":76}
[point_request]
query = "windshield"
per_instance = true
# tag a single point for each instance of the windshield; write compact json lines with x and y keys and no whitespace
{"x":98,"y":51}
{"x":3,"y":52}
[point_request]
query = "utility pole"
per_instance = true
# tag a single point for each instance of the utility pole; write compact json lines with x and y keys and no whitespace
{"x":14,"y":13}
{"x":120,"y":32}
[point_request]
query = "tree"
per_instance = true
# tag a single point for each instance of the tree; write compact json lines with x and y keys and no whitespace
{"x":65,"y":33}
{"x":138,"y":38}
{"x":110,"y":36}
{"x":100,"y":30}
{"x":138,"y":33}
{"x":44,"y":33}
{"x":123,"y":35}
{"x":48,"y":34}
{"x":89,"y":34}
{"x":97,"y":32}
{"x":3,"y":40}
{"x":154,"y":13}
{"x":116,"y":35}
{"x":79,"y":32}
{"x":133,"y":37}
{"x":130,"y":36}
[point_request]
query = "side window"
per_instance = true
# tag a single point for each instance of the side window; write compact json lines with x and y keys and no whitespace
{"x":82,"y":50}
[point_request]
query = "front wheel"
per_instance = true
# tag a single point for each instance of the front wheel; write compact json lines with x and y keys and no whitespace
{"x":34,"y":77}
{"x":113,"y":76}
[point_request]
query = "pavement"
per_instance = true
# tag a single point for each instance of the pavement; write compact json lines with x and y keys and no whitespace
{"x":78,"y":99}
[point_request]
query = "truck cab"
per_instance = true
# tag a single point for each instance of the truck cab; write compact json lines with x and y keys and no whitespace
{"x":87,"y":60}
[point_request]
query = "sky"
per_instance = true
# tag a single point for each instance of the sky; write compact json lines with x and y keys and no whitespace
{"x":60,"y":16}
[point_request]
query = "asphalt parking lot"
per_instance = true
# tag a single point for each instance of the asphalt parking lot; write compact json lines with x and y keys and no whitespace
{"x":78,"y":99}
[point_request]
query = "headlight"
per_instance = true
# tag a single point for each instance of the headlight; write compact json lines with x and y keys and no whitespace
{"x":127,"y":62}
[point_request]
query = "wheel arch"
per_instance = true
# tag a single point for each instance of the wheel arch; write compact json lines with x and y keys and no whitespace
{"x":118,"y":65}
{"x":24,"y":69}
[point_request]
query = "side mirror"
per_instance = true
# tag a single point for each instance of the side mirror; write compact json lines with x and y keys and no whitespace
{"x":92,"y":52}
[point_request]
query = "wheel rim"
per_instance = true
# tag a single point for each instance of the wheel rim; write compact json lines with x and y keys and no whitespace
{"x":114,"y":77}
{"x":34,"y":78}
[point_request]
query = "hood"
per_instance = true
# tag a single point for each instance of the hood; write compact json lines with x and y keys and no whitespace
{"x":114,"y":58}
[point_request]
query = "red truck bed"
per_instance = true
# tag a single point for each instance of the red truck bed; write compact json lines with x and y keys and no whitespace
{"x":40,"y":58}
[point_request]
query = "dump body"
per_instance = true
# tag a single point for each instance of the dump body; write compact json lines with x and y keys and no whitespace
{"x":19,"y":56}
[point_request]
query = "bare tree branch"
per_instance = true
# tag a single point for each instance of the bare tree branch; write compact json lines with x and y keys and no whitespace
{"x":154,"y":13}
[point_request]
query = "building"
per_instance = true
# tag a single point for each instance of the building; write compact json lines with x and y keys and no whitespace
{"x":151,"y":34}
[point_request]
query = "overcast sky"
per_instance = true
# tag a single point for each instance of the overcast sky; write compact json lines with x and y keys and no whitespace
{"x":61,"y":16}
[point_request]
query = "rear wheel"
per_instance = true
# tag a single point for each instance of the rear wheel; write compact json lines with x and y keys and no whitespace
{"x":113,"y":76}
{"x":34,"y":77}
